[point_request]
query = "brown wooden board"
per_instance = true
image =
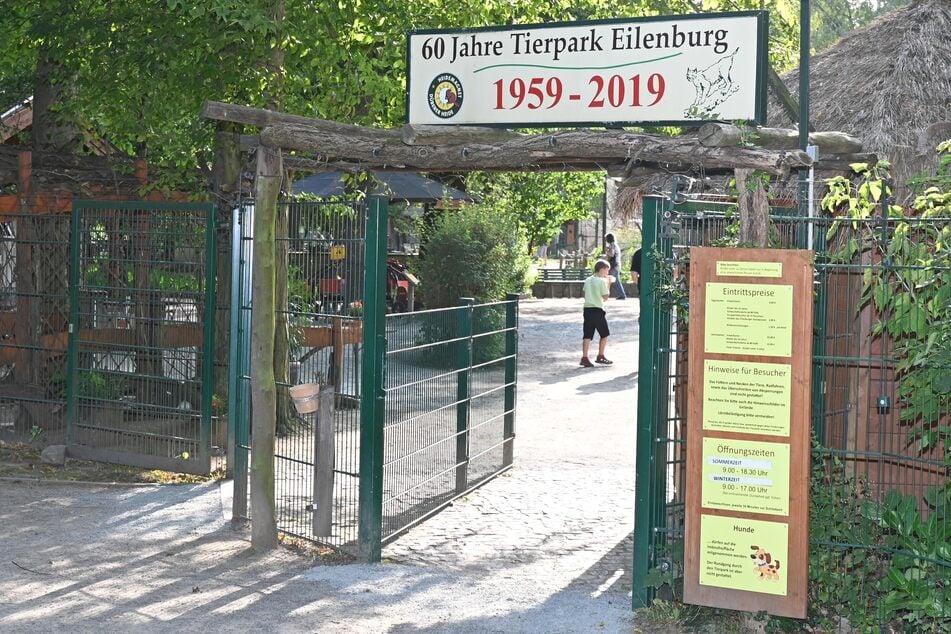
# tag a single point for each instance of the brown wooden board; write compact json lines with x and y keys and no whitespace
{"x":748,"y":429}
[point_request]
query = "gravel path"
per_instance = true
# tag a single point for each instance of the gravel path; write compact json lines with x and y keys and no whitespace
{"x":544,"y":548}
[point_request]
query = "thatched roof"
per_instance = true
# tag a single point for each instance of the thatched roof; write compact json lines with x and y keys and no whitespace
{"x":888,"y":83}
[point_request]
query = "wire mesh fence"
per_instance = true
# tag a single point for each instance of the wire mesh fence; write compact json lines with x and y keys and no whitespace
{"x":322,"y":247}
{"x":450,"y":403}
{"x":34,"y":300}
{"x":446,"y":389}
{"x":140,"y":355}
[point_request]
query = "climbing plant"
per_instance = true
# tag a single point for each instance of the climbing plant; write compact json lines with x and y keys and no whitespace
{"x":909,"y":287}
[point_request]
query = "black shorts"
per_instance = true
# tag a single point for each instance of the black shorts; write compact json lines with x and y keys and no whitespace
{"x":595,"y":319}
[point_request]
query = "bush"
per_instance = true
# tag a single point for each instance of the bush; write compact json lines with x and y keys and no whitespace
{"x":472,"y":252}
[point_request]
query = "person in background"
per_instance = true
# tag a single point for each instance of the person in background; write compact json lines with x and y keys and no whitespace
{"x":612,"y":253}
{"x":636,"y":269}
{"x":542,"y":254}
{"x":596,"y":290}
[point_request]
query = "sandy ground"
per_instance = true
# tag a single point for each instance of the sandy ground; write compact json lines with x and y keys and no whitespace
{"x":556,"y":558}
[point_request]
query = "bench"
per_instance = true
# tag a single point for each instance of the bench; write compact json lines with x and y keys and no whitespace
{"x":560,"y":282}
{"x":564,"y":275}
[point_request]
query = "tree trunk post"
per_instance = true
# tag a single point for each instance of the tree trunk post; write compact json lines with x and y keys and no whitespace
{"x":754,"y":210}
{"x":25,"y":325}
{"x":263,"y":389}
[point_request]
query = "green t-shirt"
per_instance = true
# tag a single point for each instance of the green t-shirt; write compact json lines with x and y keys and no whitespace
{"x":595,"y":288}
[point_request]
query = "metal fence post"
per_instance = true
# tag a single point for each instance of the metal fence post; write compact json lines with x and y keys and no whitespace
{"x":641,"y":595}
{"x":72,"y":348}
{"x":511,"y":377}
{"x":238,"y":414}
{"x":463,"y":402}
{"x":208,"y":335}
{"x":373,"y":398}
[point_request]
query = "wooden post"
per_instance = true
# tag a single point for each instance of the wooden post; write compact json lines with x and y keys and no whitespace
{"x":338,"y":350}
{"x":25,"y":324}
{"x":324,"y":455}
{"x":263,"y":390}
{"x":141,"y":171}
{"x":472,"y":150}
{"x":754,"y":210}
{"x":722,"y":135}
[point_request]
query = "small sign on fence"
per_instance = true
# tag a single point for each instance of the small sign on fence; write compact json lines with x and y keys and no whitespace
{"x":338,"y":252}
{"x":748,"y":424}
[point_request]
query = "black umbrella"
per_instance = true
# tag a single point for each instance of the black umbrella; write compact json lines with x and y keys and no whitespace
{"x":399,"y":186}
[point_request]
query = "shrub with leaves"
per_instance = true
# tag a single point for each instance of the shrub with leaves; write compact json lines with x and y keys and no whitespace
{"x":474,"y":252}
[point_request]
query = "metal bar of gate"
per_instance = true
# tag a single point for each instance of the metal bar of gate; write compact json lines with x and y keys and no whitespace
{"x":372,"y":407}
{"x":641,"y":595}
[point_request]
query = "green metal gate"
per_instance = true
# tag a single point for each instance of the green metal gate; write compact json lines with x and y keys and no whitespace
{"x":870,"y":507}
{"x":423,"y":406}
{"x":141,"y":335}
{"x":325,"y":249}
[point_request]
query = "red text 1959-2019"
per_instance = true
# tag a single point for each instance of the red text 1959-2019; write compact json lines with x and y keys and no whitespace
{"x":614,"y":91}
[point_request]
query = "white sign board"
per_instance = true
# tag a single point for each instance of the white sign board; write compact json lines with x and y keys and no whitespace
{"x":639,"y":71}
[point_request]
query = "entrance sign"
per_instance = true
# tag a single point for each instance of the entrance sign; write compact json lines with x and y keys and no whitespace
{"x":751,"y":398}
{"x":748,"y":429}
{"x":636,"y":71}
{"x":744,"y":475}
{"x":748,"y":319}
{"x":731,"y":556}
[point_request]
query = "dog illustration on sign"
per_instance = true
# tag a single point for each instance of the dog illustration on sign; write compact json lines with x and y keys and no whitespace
{"x":713,"y":85}
{"x":765,"y":566}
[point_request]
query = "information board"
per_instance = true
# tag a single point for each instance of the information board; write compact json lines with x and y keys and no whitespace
{"x":659,"y":70}
{"x":748,"y":429}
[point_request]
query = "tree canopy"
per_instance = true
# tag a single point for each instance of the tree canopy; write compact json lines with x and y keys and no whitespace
{"x":137,"y":73}
{"x":541,"y":202}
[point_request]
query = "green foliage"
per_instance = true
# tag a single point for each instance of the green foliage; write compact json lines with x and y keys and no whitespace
{"x":542,"y":201}
{"x":667,"y":613}
{"x":917,"y":584}
{"x":942,"y":176}
{"x":837,"y":18}
{"x":671,"y":287}
{"x":472,"y":252}
{"x":172,"y":281}
{"x":874,"y":562}
{"x":488,"y":344}
{"x":137,"y":73}
{"x":101,"y":386}
{"x":843,"y":566}
{"x":910,"y":293}
{"x":731,"y":230}
{"x":300,"y":305}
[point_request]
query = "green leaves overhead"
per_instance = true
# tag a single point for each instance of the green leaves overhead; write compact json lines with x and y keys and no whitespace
{"x":541,"y":202}
{"x":137,"y":73}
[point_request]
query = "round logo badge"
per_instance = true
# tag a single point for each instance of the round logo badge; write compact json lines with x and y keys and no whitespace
{"x":445,"y":95}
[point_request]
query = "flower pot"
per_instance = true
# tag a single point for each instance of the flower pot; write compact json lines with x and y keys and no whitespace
{"x":305,"y":397}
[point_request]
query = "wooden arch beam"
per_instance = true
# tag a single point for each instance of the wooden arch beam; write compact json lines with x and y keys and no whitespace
{"x":463,"y":149}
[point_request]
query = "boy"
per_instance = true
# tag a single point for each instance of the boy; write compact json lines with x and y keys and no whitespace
{"x":596,"y":290}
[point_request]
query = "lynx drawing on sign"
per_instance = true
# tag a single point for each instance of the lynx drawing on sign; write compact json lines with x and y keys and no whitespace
{"x":713,"y":86}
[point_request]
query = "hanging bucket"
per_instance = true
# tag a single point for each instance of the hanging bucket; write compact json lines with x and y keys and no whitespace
{"x":305,"y":397}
